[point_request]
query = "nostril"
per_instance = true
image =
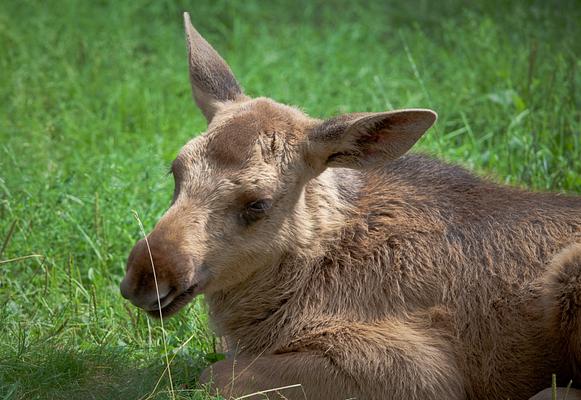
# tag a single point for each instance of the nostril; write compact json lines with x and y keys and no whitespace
{"x":145,"y":295}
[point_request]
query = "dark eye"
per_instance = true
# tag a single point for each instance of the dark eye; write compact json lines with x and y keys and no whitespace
{"x":259,"y":206}
{"x":255,"y":210}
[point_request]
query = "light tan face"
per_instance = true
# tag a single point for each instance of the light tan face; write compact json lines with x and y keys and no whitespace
{"x":237,"y":188}
{"x":239,"y":201}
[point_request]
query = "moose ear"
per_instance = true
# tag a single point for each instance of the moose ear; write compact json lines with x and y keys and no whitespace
{"x":212,"y":80}
{"x":363,"y":139}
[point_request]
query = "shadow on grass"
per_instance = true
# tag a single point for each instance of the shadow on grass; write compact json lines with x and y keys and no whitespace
{"x":95,"y":374}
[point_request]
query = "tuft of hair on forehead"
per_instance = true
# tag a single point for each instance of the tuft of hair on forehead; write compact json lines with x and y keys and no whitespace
{"x":238,"y":128}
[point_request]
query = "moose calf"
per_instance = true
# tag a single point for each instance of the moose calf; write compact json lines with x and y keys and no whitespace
{"x":330,"y":259}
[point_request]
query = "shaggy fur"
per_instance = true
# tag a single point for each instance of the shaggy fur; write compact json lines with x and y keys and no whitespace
{"x":331,"y":260}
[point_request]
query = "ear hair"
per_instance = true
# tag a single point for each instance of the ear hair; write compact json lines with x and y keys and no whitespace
{"x":362,"y":139}
{"x":211,"y":78}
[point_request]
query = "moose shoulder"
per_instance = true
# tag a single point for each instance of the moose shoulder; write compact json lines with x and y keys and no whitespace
{"x":332,"y":260}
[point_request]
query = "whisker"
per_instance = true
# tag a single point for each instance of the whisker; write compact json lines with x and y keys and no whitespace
{"x":163,"y":334}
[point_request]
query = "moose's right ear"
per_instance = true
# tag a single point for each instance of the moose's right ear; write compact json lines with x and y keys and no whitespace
{"x":212,"y":80}
{"x":365,"y":139}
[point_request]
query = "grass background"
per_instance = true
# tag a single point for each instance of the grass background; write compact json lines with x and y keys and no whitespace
{"x":95,"y":103}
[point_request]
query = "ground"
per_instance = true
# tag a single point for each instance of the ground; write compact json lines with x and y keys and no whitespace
{"x":95,"y":103}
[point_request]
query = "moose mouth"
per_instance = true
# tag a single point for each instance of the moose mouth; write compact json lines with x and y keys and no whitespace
{"x":176,"y":303}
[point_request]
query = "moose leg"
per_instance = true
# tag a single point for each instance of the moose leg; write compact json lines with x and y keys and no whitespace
{"x":391,"y":360}
{"x":278,"y":376}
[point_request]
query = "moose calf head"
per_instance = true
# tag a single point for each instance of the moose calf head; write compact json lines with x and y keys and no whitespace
{"x":239,"y":201}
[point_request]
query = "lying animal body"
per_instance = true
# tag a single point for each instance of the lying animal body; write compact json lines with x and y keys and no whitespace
{"x":331,"y":260}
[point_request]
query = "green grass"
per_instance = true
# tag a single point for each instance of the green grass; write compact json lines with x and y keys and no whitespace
{"x":95,"y":103}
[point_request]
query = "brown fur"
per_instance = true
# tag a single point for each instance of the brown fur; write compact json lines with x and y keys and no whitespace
{"x":368,"y":274}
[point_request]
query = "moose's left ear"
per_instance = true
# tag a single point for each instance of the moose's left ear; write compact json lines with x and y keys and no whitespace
{"x":363,"y":139}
